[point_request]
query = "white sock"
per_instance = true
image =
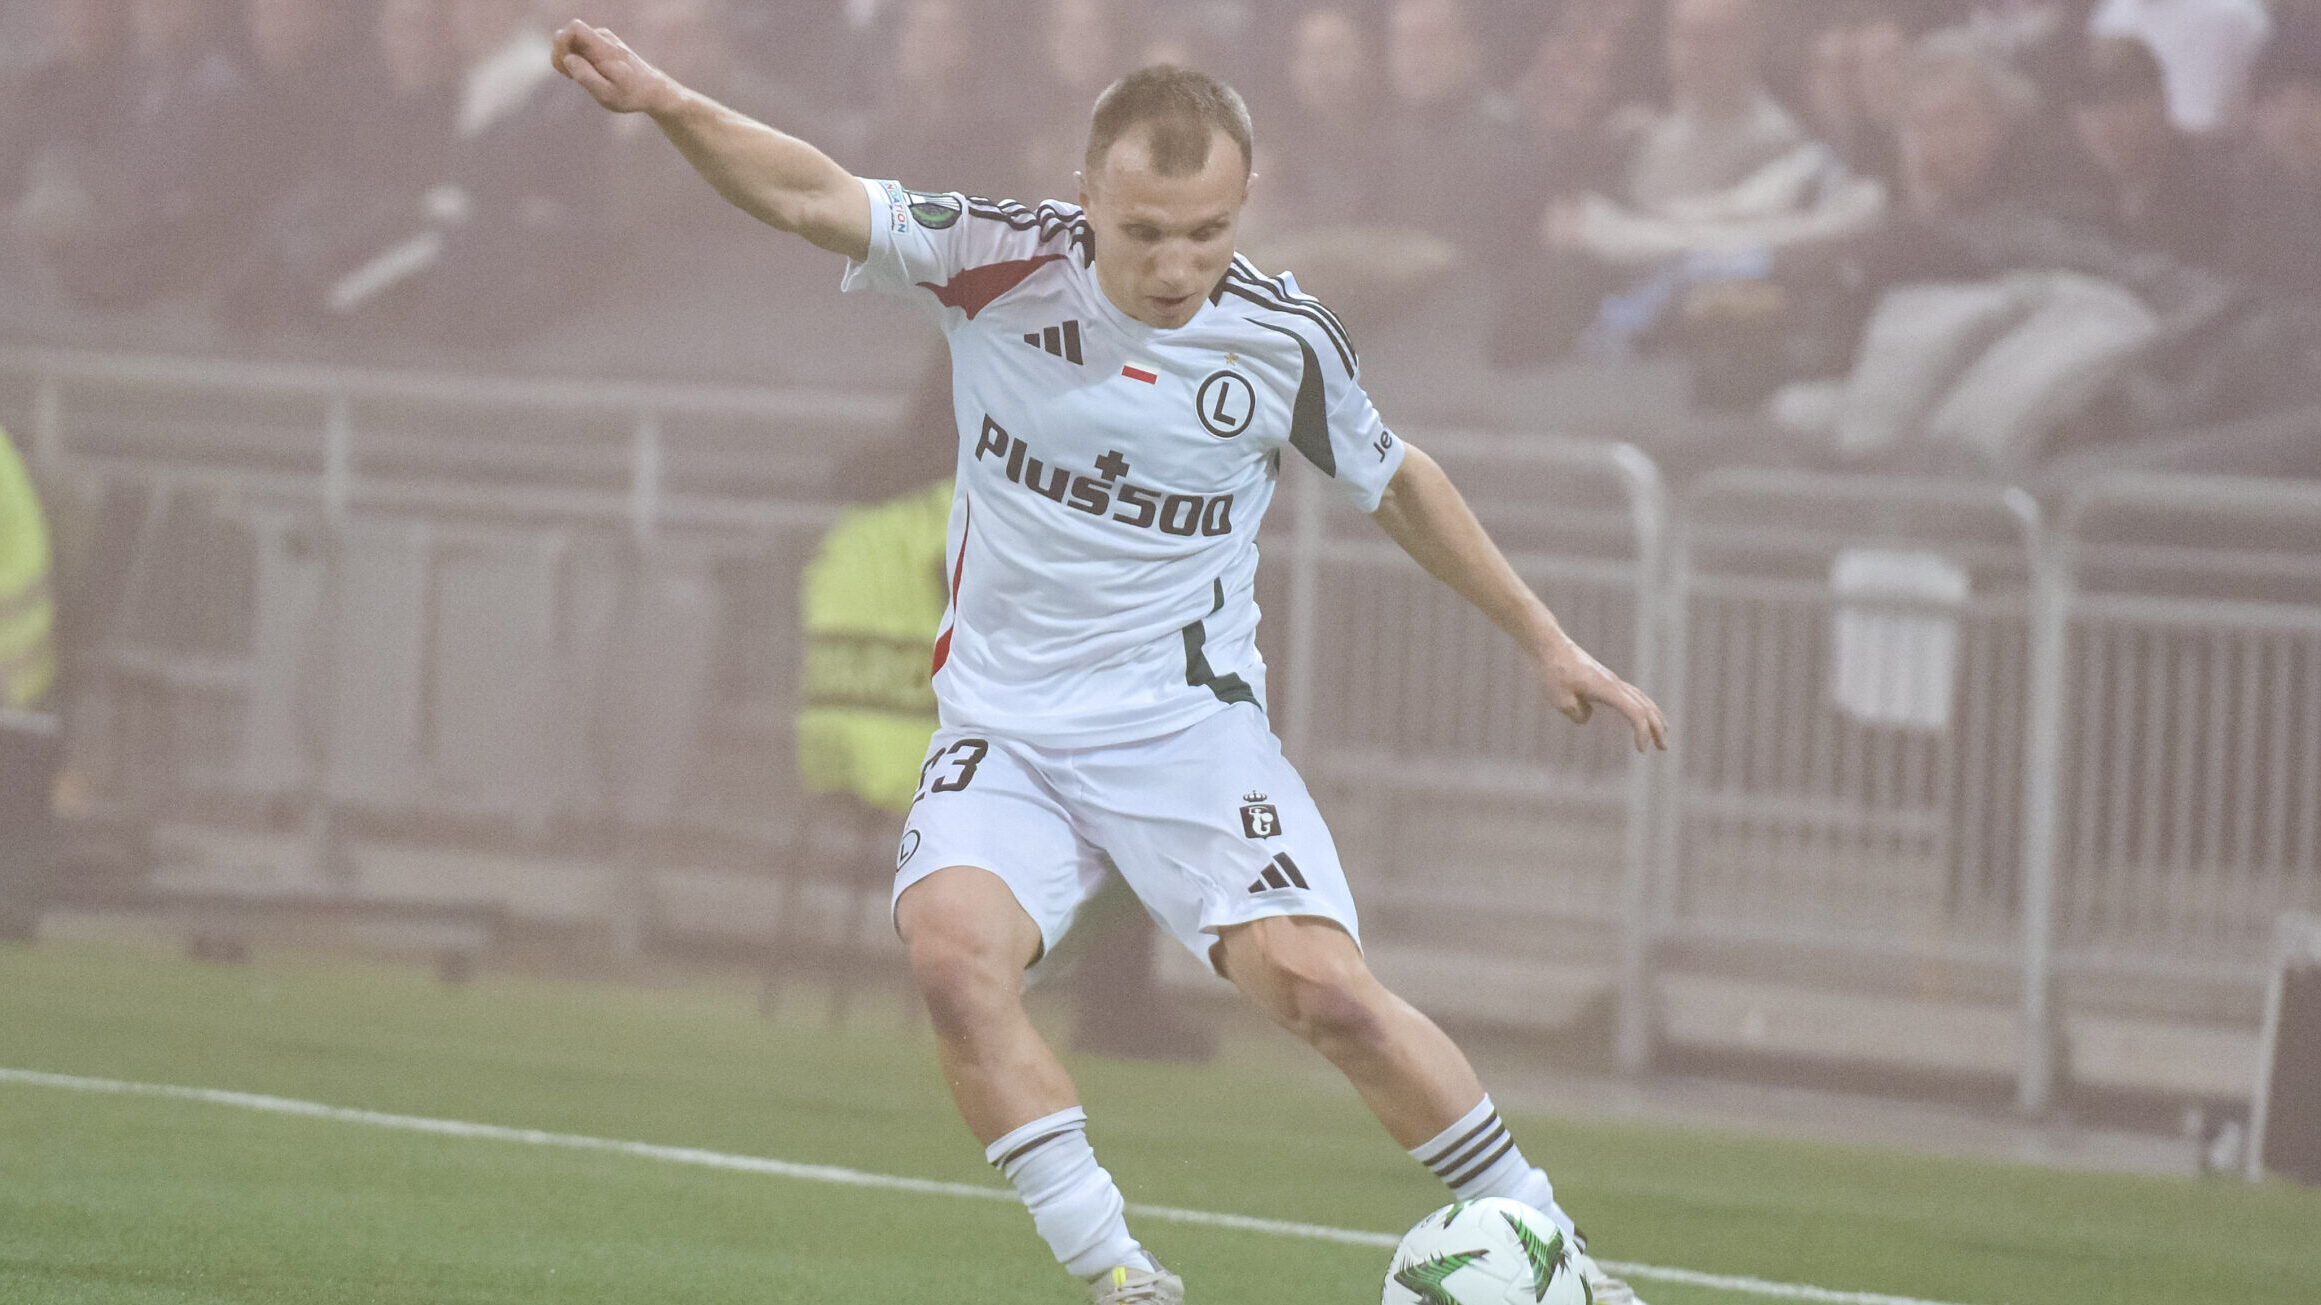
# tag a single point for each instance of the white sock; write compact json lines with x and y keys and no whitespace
{"x":1075,"y":1204}
{"x":1477,"y":1157}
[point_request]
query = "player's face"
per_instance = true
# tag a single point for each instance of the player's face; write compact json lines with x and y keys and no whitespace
{"x":1163,"y":243}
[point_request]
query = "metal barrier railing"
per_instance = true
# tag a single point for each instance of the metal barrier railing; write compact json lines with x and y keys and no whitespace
{"x":651,"y":456}
{"x":2176,"y":740}
{"x":370,"y":595}
{"x":1843,"y":756}
{"x":1848,"y":657}
{"x":1912,"y":719}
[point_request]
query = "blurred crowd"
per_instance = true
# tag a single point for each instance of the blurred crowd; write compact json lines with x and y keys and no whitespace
{"x":1926,"y":231}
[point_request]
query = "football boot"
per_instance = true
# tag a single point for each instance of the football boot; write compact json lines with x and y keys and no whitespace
{"x":1128,"y":1285}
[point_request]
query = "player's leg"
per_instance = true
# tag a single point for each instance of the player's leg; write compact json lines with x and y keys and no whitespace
{"x":1217,"y":834}
{"x":970,"y":942}
{"x":1309,"y":976}
{"x":971,"y":932}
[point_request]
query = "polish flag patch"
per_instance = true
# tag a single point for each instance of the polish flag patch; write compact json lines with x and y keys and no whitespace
{"x":1134,"y":372}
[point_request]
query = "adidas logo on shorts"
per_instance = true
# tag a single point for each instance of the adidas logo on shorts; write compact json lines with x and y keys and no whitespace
{"x":1282,"y":873}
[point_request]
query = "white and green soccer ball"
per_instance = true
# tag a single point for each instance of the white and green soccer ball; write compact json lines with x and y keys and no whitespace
{"x":1487,"y":1252}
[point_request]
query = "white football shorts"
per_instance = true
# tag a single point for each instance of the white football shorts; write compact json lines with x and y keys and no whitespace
{"x":1211,"y":827}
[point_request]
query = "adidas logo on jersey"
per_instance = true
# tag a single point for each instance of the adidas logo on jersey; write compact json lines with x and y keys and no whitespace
{"x":1106,"y":493}
{"x":1281,"y":872}
{"x":1062,"y":341}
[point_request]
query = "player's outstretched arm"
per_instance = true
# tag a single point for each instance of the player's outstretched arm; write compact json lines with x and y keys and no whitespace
{"x":780,"y":180}
{"x":1425,"y":513}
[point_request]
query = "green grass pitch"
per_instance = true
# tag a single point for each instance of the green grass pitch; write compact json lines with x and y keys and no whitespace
{"x":144,"y":1201}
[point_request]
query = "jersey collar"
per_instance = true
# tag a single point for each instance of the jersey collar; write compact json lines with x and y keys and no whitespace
{"x":1140,"y":330}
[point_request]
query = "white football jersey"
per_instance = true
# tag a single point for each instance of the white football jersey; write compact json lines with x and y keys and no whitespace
{"x":1111,"y":474}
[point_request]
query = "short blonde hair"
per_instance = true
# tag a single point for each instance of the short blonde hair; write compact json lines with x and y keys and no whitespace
{"x":1184,"y":109}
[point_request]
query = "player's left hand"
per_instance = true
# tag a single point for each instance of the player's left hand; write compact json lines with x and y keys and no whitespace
{"x":1576,"y":682}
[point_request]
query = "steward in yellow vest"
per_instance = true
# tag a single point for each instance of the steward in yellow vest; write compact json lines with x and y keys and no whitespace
{"x":27,"y":611}
{"x":31,"y":745}
{"x":872,"y":602}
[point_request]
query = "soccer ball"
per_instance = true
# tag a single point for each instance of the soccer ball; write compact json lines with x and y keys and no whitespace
{"x":1488,"y":1252}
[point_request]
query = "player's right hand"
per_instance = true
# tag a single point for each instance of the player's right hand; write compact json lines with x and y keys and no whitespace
{"x":608,"y":69}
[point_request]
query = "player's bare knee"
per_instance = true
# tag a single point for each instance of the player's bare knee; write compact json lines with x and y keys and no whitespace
{"x":1334,"y":1012}
{"x":964,"y":930}
{"x":954,"y":957}
{"x":1316,"y":986}
{"x":966,"y":983}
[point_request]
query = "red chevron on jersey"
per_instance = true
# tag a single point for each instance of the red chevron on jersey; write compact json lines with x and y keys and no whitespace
{"x":974,"y":288}
{"x":958,"y":569}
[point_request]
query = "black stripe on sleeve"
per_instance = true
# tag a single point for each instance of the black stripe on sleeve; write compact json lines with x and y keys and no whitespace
{"x":1279,"y":286}
{"x":1244,"y":273}
{"x":1021,"y":221}
{"x":1049,"y":219}
{"x":1265,"y":299}
{"x":1309,"y":418}
{"x":1330,"y":319}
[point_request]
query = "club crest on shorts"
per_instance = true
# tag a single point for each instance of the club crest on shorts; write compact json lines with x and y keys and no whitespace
{"x":1259,"y":819}
{"x":909,"y":848}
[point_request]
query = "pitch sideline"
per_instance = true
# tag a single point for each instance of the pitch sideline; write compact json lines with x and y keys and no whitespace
{"x":858,"y":1178}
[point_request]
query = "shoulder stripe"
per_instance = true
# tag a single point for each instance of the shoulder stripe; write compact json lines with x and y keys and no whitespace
{"x":1022,"y":220}
{"x":1271,"y":293}
{"x":1048,"y":213}
{"x":1233,"y":286}
{"x":1049,"y":219}
{"x":1281,"y":289}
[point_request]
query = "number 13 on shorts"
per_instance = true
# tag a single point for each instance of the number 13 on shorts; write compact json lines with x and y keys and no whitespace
{"x":951,"y":769}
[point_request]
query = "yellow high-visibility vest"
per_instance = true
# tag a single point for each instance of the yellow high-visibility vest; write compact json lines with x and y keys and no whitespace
{"x":873,"y":600}
{"x":27,"y":608}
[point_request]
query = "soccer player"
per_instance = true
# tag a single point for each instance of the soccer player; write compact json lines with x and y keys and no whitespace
{"x":1127,"y":389}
